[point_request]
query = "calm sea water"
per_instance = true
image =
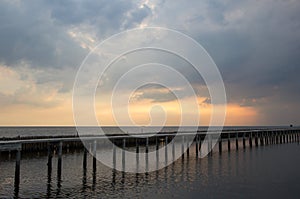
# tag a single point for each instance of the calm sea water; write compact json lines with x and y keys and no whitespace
{"x":265,"y":172}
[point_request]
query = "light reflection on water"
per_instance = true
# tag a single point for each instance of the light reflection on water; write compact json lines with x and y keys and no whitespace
{"x":263,"y":172}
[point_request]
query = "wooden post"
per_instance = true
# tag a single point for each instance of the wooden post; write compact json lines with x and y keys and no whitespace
{"x":244,"y":141}
{"x":49,"y":163}
{"x":196,"y":146}
{"x":262,"y":139}
{"x":84,"y":158}
{"x":157,"y":153}
{"x":114,"y":155}
{"x":256,"y":140}
{"x":166,"y":150}
{"x":182,"y":147}
{"x":137,"y":151}
{"x":147,"y":151}
{"x":17,"y":172}
{"x":220,"y":144}
{"x":237,"y":141}
{"x":187,"y":148}
{"x":95,"y":156}
{"x":250,"y":139}
{"x":173,"y":149}
{"x":228,"y":142}
{"x":59,"y":162}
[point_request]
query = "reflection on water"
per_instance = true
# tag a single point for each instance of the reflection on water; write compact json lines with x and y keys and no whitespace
{"x":264,"y":172}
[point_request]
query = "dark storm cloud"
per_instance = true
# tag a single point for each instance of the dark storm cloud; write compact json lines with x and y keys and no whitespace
{"x":28,"y":34}
{"x":37,"y":32}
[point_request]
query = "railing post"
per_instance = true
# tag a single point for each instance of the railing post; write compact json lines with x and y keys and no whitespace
{"x":157,"y":153}
{"x":49,"y":163}
{"x":137,"y":151}
{"x":237,"y":141}
{"x":59,"y":162}
{"x":244,"y":140}
{"x":250,"y":139}
{"x":220,"y":144}
{"x":166,"y":150}
{"x":182,"y":147}
{"x":147,"y":151}
{"x":228,"y":142}
{"x":256,"y":139}
{"x":173,"y":149}
{"x":95,"y":156}
{"x":17,"y":172}
{"x":84,"y":158}
{"x":114,"y":155}
{"x":123,"y":154}
{"x":187,"y":147}
{"x":196,"y":146}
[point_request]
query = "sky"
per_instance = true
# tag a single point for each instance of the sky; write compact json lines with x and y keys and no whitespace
{"x":255,"y":44}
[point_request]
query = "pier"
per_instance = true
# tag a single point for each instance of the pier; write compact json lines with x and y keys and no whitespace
{"x":234,"y":139}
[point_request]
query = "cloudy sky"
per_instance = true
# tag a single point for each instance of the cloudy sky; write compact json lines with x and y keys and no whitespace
{"x":255,"y":44}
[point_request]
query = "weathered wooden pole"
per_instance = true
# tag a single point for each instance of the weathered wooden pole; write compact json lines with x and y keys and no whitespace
{"x":237,"y":141}
{"x":95,"y":156}
{"x":123,"y":154}
{"x":187,"y":148}
{"x":182,"y":147}
{"x":256,"y":140}
{"x":17,"y":172}
{"x":84,"y":158}
{"x":196,"y":146}
{"x":262,"y":139}
{"x":147,"y":151}
{"x":250,"y":139}
{"x":173,"y":149}
{"x":49,"y":163}
{"x":220,"y":144}
{"x":114,"y":155}
{"x":228,"y":142}
{"x":166,"y":150}
{"x":157,"y":153}
{"x":137,"y":151}
{"x":59,"y":162}
{"x":244,"y":140}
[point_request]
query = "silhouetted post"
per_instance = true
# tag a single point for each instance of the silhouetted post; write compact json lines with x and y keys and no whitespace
{"x":166,"y":150}
{"x":237,"y":141}
{"x":173,"y":149}
{"x":123,"y":154}
{"x":49,"y":163}
{"x":228,"y":142}
{"x":137,"y":151}
{"x":114,"y":156}
{"x":220,"y":144}
{"x":196,"y":146}
{"x":200,"y":142}
{"x":147,"y":151}
{"x":256,"y":140}
{"x":187,"y":148}
{"x":262,"y":139}
{"x":250,"y":139}
{"x":95,"y":156}
{"x":157,"y":153}
{"x":17,"y":172}
{"x":244,"y":140}
{"x":59,"y":162}
{"x":84,"y":158}
{"x":182,"y":147}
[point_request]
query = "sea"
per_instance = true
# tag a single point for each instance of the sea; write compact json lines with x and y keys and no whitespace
{"x":270,"y":171}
